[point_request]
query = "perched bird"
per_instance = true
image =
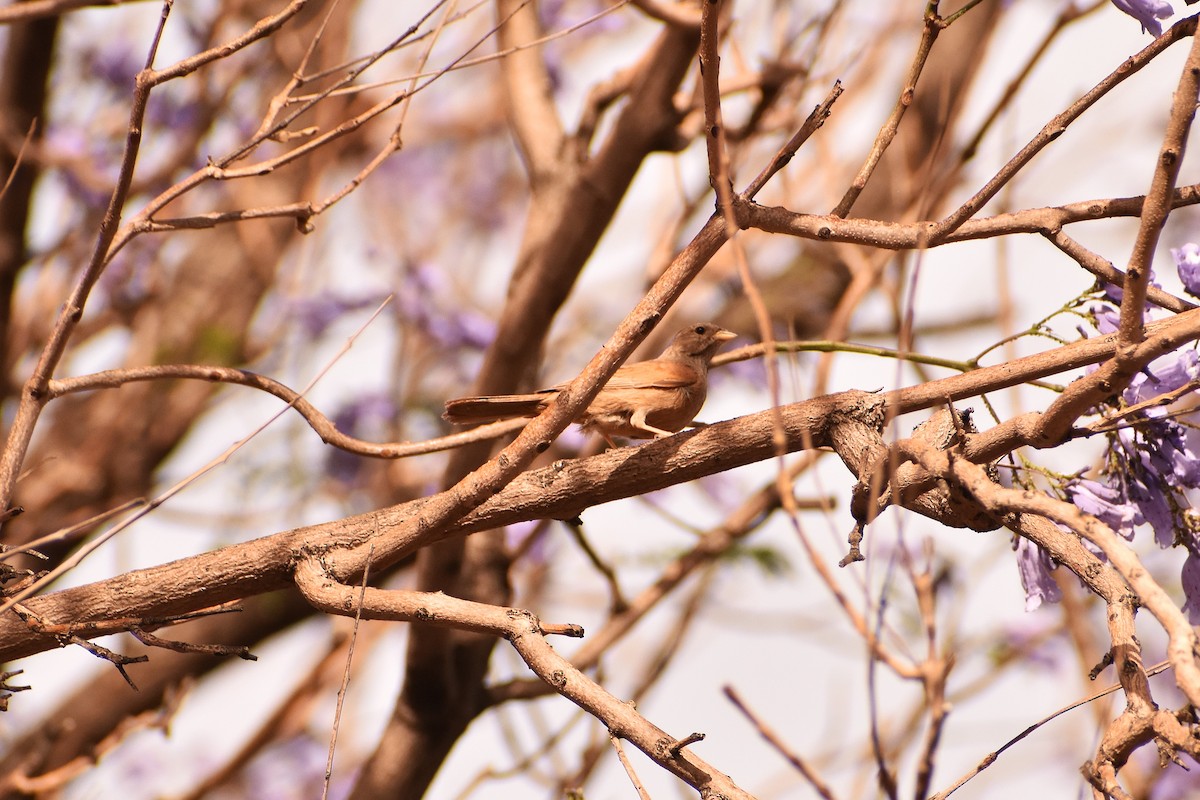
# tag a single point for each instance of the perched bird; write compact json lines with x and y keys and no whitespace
{"x":640,"y":401}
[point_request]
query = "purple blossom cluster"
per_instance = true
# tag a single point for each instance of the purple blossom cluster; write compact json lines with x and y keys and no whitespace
{"x":1151,"y":461}
{"x":424,"y":299}
{"x":365,"y":417}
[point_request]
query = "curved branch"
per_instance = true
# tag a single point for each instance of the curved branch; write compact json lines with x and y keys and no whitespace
{"x":931,"y":28}
{"x":323,"y":426}
{"x":1181,"y":648}
{"x":526,"y":634}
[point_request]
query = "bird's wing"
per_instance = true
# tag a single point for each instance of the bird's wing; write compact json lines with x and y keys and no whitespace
{"x":656,"y":374}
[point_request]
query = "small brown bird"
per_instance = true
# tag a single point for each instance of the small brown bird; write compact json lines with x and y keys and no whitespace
{"x":640,"y":401}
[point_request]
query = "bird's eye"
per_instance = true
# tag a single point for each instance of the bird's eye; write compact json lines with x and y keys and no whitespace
{"x":700,"y":330}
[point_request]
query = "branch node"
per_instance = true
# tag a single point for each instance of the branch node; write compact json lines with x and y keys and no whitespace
{"x":690,"y":739}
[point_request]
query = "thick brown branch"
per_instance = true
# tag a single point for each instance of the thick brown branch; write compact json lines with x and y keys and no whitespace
{"x":909,"y":235}
{"x":560,"y":491}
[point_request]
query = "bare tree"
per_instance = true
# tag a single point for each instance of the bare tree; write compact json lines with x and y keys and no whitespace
{"x":247,"y":253}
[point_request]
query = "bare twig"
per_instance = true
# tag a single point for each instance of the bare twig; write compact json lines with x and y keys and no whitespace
{"x":150,"y":640}
{"x":804,"y":768}
{"x":991,"y":757}
{"x":628,"y":766}
{"x":931,"y":28}
{"x":344,"y":685}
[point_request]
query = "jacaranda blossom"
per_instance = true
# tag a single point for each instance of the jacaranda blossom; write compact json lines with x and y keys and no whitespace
{"x":1190,"y":578}
{"x":1108,"y":504}
{"x":1153,"y":457}
{"x":1034,"y":565}
{"x":1147,"y":12}
{"x":1187,"y":262}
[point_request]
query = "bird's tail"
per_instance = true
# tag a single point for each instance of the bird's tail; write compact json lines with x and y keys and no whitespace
{"x":495,"y":407}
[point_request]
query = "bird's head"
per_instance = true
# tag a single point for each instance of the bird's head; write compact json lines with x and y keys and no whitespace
{"x":702,"y":339}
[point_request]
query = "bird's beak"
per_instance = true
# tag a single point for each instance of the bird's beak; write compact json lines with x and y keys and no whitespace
{"x":724,"y":336}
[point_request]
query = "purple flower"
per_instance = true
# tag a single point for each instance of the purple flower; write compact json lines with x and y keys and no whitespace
{"x":1147,"y":12}
{"x":1105,"y":503}
{"x":316,"y":314}
{"x":1162,"y":375}
{"x":1034,"y":565}
{"x":423,"y":299}
{"x":367,"y":417}
{"x":1187,"y":264}
{"x":1154,"y":505}
{"x":1170,"y":452}
{"x":1190,"y":578}
{"x":1107,"y":319}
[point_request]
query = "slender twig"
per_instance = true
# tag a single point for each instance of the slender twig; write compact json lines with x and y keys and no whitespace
{"x":765,"y":731}
{"x":758,"y":350}
{"x":887,"y":133}
{"x":628,"y":767}
{"x":466,"y":63}
{"x":71,"y":532}
{"x":812,"y":123}
{"x":150,"y":640}
{"x":33,"y":394}
{"x":991,"y":757}
{"x":1104,"y":270}
{"x":616,"y":601}
{"x":1069,"y":14}
{"x":345,"y":684}
{"x":18,"y":158}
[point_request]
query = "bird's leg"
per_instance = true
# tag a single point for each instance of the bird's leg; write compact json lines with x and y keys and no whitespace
{"x":638,"y":420}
